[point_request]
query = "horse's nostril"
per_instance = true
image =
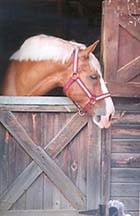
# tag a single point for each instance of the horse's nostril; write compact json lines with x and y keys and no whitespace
{"x":98,"y":118}
{"x":110,"y":117}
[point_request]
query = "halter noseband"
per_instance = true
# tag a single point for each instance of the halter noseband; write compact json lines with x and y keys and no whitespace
{"x":75,"y":78}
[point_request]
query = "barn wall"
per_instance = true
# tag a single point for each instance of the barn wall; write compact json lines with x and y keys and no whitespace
{"x":121,"y":156}
{"x":121,"y":143}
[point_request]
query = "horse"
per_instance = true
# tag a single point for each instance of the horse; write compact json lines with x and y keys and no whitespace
{"x":44,"y":62}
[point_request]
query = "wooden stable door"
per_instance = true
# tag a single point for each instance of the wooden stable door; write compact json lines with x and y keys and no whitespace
{"x":121,"y":47}
{"x":50,"y":160}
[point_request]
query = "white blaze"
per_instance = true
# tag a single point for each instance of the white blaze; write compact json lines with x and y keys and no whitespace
{"x":104,"y":122}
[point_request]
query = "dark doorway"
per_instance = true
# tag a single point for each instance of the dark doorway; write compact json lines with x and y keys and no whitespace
{"x":78,"y":20}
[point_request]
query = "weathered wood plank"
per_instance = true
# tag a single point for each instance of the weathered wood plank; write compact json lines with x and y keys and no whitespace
{"x":125,"y":104}
{"x":106,"y":166}
{"x":37,"y":104}
{"x":126,"y":125}
{"x":131,"y":25}
{"x":19,"y":186}
{"x":126,"y":132}
{"x":130,"y":70}
{"x":129,"y":47}
{"x":125,"y":161}
{"x":124,"y":5}
{"x":39,"y":213}
{"x":125,"y":190}
{"x":131,"y":203}
{"x":125,"y":117}
{"x":93,"y":166}
{"x":29,"y":175}
{"x":72,"y":193}
{"x":122,"y":175}
{"x":35,"y":100}
{"x":34,"y":196}
{"x":126,"y":146}
{"x":66,"y":134}
{"x":110,"y":35}
{"x":115,"y":87}
{"x":4,"y":147}
{"x":39,"y":108}
{"x":22,"y":159}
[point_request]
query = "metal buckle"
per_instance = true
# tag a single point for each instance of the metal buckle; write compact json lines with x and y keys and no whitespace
{"x":74,"y":76}
{"x":81,"y":112}
{"x":93,"y":100}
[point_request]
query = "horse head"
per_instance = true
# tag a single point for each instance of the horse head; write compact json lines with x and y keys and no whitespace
{"x":45,"y":62}
{"x":87,"y":89}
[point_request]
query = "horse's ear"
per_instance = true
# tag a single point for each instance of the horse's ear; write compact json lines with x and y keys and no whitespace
{"x":85,"y":53}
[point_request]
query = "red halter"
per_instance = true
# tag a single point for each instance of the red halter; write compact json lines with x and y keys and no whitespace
{"x":75,"y":78}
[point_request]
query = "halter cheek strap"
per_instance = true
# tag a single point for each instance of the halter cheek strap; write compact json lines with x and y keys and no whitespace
{"x":75,"y":78}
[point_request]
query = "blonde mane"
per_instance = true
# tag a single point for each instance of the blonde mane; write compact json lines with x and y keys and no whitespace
{"x":43,"y":47}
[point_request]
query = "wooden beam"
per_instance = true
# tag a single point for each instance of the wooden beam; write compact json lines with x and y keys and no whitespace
{"x":105,"y":166}
{"x":131,"y":25}
{"x":126,"y":146}
{"x":122,"y":175}
{"x":35,"y":100}
{"x":19,"y":186}
{"x":38,"y":108}
{"x":119,"y":160}
{"x":125,"y":189}
{"x":39,"y":213}
{"x":32,"y":171}
{"x":37,"y":104}
{"x":66,"y":134}
{"x":129,"y":71}
{"x":110,"y":38}
{"x":69,"y":190}
{"x":93,"y":166}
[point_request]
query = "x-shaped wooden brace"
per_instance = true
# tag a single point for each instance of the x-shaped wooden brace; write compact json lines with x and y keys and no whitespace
{"x":42,"y":161}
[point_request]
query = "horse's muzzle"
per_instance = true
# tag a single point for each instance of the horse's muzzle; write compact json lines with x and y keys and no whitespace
{"x":104,"y":118}
{"x":103,"y":121}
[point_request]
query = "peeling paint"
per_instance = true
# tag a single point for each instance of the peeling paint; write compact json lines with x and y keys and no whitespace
{"x":7,"y":135}
{"x":134,"y":160}
{"x":74,"y":166}
{"x":33,"y":119}
{"x":122,"y":114}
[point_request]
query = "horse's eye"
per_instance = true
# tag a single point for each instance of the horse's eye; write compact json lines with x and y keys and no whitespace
{"x":94,"y":77}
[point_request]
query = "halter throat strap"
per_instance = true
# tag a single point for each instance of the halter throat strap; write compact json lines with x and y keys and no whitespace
{"x":75,"y":78}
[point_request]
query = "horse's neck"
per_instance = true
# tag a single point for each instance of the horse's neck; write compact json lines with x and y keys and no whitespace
{"x":52,"y":75}
{"x":41,"y":77}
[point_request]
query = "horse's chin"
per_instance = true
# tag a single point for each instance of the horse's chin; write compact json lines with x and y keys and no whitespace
{"x":101,"y":121}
